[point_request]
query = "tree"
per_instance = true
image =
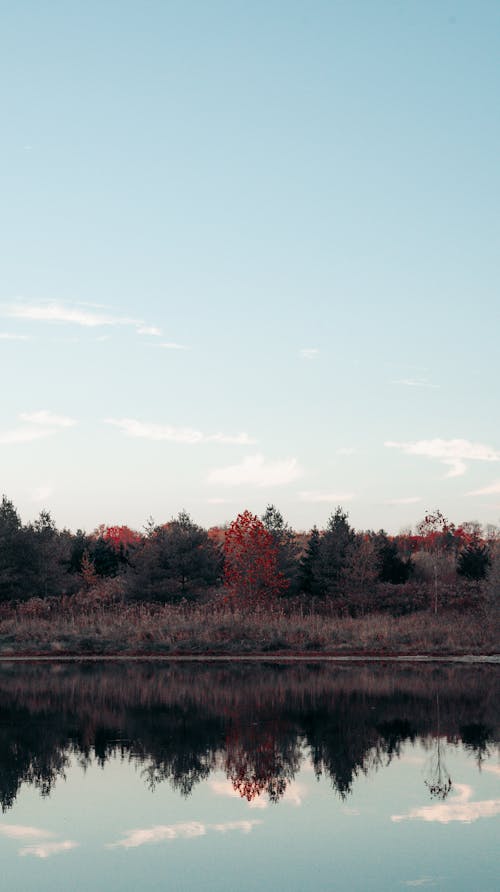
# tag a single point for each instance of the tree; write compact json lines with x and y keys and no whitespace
{"x":435,"y":530}
{"x":174,"y":561}
{"x":474,"y":561}
{"x":309,"y":566}
{"x":251,"y":571}
{"x":391,"y":567}
{"x":336,"y":546}
{"x":285,"y":542}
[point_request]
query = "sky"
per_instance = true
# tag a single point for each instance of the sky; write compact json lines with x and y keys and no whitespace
{"x":249,"y":254}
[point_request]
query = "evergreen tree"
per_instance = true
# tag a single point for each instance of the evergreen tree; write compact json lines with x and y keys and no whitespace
{"x":336,"y":547}
{"x":474,"y":561}
{"x":286,"y":545}
{"x":309,"y":581}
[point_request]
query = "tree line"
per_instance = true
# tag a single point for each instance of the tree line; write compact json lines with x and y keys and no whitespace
{"x":255,"y":560}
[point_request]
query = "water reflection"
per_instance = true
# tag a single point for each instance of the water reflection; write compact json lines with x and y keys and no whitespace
{"x":258,"y":724}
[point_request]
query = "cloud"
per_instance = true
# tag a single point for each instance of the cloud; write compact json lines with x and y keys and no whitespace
{"x":492,"y":490}
{"x":407,"y":500}
{"x":172,"y":345}
{"x":20,"y":831}
{"x":73,"y":314}
{"x":42,"y":493}
{"x":46,"y":850}
{"x":453,"y":453}
{"x":8,"y":336}
{"x":150,"y":330}
{"x":47,"y":419}
{"x":309,"y":353}
{"x":417,"y":382}
{"x":37,"y":426}
{"x":131,"y":427}
{"x":317,"y":496}
{"x":24,"y":435}
{"x":219,"y":501}
{"x":346,"y":450}
{"x":255,"y":470}
{"x":459,"y":808}
{"x":188,"y":830}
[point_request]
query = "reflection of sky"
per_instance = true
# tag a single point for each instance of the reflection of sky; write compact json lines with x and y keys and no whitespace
{"x":104,"y":830}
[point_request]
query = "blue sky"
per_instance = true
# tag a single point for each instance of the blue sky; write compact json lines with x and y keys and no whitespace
{"x":244,"y":247}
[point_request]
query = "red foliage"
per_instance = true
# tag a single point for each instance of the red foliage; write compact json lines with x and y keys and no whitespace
{"x":119,"y":536}
{"x":251,"y":562}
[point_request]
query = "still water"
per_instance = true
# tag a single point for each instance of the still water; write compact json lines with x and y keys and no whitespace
{"x":245,"y":777}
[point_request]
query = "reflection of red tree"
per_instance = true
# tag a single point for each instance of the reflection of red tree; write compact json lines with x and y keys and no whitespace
{"x":254,"y":763}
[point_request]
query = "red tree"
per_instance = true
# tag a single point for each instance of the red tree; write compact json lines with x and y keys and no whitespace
{"x":251,"y":562}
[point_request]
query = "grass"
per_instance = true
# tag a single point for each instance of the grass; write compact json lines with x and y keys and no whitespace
{"x":84,"y":626}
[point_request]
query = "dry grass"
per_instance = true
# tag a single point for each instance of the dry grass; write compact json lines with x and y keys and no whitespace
{"x":85,"y":625}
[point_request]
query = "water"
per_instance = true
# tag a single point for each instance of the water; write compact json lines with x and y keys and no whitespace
{"x":246,"y":777}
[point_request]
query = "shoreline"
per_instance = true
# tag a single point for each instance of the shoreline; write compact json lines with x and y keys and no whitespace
{"x":491,"y":659}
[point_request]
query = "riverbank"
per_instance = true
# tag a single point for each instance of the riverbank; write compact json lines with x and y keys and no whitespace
{"x":37,"y":629}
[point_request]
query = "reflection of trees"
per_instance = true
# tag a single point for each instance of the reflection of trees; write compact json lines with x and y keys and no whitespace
{"x":179,"y":723}
{"x":438,"y":782}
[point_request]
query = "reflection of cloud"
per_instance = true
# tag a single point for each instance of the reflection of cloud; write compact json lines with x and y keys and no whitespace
{"x":459,"y":808}
{"x":131,"y":427}
{"x":422,"y":881}
{"x":293,"y":794}
{"x":188,"y":830}
{"x":493,"y":769}
{"x":450,"y":452}
{"x":46,"y":850}
{"x":256,"y":470}
{"x":225,"y":788}
{"x":19,"y":831}
{"x":353,"y":812}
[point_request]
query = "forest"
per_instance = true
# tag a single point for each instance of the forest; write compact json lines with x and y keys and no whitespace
{"x":173,"y":578}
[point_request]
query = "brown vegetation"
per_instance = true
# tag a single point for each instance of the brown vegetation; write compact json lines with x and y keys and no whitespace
{"x":99,"y":622}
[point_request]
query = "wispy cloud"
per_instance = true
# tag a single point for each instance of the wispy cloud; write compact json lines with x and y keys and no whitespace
{"x":188,"y":830}
{"x":406,"y":500}
{"x":492,"y":490}
{"x":309,"y":353}
{"x":37,"y":426}
{"x":315,"y":496}
{"x":417,"y":382}
{"x":346,"y":450}
{"x":9,"y":336}
{"x":454,"y":453}
{"x":172,"y":345}
{"x":131,"y":427}
{"x":47,"y":419}
{"x":421,"y":881}
{"x":42,"y":493}
{"x":46,"y":850}
{"x":460,"y":808}
{"x":219,"y":501}
{"x":255,"y":470}
{"x":150,"y":330}
{"x":24,"y":435}
{"x":69,"y":313}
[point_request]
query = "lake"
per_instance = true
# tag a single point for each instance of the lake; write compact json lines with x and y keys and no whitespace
{"x":182,"y":776}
